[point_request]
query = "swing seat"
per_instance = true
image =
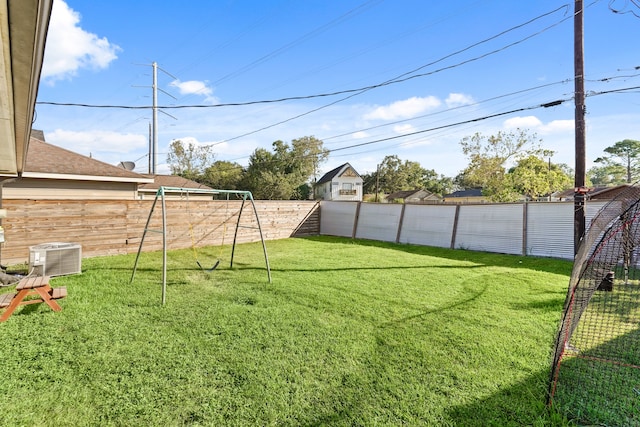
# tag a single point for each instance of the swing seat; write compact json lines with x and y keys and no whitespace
{"x":208,"y":269}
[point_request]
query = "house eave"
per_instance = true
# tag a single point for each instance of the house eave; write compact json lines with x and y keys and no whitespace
{"x":44,"y":175}
{"x":23,"y":31}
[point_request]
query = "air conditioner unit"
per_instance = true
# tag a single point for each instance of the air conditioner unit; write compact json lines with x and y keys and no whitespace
{"x":55,"y":259}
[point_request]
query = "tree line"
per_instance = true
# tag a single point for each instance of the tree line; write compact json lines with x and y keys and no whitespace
{"x":507,"y":166}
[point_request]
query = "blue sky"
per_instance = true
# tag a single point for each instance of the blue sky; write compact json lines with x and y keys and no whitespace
{"x":459,"y":61}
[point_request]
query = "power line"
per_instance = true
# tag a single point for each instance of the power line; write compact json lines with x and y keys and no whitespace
{"x":546,"y":105}
{"x":451,"y":125}
{"x":407,"y":75}
{"x":450,"y":109}
{"x":398,"y":79}
{"x":446,"y":126}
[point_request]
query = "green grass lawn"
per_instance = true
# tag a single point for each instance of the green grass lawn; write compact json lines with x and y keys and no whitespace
{"x":350,"y":332}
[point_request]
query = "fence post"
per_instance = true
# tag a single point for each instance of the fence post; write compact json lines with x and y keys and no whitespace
{"x":525,"y":211}
{"x":404,"y":205}
{"x":355,"y":221}
{"x":455,"y":227}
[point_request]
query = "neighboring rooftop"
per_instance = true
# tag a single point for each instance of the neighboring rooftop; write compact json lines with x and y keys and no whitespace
{"x":336,"y":172}
{"x":170,"y":181}
{"x":45,"y":160}
{"x":471,"y":192}
{"x":417,"y":194}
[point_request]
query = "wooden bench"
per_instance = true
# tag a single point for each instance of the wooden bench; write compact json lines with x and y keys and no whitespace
{"x":37,"y":286}
{"x":57,"y":293}
{"x":5,"y":299}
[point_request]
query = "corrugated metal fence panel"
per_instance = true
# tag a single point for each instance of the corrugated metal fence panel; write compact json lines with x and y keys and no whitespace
{"x":429,"y":225}
{"x":592,"y":209}
{"x":337,"y":218}
{"x":550,"y":230}
{"x":378,"y":221}
{"x":490,"y":228}
{"x":550,"y":227}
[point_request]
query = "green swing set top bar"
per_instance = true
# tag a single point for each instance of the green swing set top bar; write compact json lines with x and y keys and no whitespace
{"x":160,"y":194}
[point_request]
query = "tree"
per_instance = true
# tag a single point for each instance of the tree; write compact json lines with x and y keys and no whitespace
{"x":189,"y":160}
{"x":609,"y":174}
{"x":489,"y":158}
{"x":438,"y":184}
{"x":309,"y":153}
{"x":283,"y":173}
{"x":369,"y":182}
{"x":393,"y":175}
{"x":223,"y":175}
{"x":625,"y":153}
{"x":534,"y":177}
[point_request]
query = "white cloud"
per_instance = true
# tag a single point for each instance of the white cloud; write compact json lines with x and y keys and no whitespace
{"x":194,"y":87}
{"x":528,"y":122}
{"x":535,"y":124}
{"x":458,"y":99}
{"x":97,"y":141}
{"x":404,"y":109}
{"x":69,"y":48}
{"x":403,"y":129}
{"x":360,"y":135}
{"x":555,"y":126}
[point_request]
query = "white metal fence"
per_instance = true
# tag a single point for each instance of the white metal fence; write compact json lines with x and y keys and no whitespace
{"x":538,"y":229}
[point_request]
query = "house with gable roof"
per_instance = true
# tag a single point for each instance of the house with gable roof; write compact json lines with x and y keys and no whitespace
{"x":149,"y":190}
{"x":470,"y":195}
{"x":413,"y":196}
{"x":52,"y":172}
{"x":342,"y":183}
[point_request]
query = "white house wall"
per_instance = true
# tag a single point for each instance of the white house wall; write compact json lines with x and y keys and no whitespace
{"x":336,"y":186}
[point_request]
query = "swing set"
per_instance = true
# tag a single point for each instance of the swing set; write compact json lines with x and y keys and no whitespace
{"x":161,"y":195}
{"x":193,"y":239}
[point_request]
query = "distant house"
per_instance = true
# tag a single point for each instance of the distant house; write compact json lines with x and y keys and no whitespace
{"x":472,"y":195}
{"x":53,"y":172}
{"x":149,"y":190}
{"x":610,"y":193}
{"x":341,"y":183}
{"x":596,"y":193}
{"x":414,"y":196}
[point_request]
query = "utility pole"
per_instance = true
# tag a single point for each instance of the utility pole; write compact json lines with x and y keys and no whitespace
{"x":580,"y":174}
{"x":377,"y":181}
{"x":150,"y":148}
{"x":153,"y":126}
{"x":154,"y":154}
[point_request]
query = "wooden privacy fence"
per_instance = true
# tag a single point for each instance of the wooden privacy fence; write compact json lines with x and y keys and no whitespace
{"x":110,"y":227}
{"x":538,"y":229}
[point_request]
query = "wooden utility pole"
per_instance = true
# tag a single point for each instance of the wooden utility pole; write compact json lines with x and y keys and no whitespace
{"x":154,"y":152}
{"x":580,"y":174}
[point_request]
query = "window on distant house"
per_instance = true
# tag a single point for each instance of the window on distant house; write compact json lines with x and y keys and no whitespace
{"x":347,"y":189}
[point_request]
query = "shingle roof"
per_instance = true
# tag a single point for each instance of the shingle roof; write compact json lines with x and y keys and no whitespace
{"x":595,"y":192}
{"x":472,"y":192}
{"x":333,"y":172}
{"x":44,"y":158}
{"x":408,"y":193}
{"x":171,"y":181}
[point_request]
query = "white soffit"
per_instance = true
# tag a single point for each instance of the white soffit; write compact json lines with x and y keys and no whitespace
{"x":23,"y":31}
{"x":8,"y":163}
